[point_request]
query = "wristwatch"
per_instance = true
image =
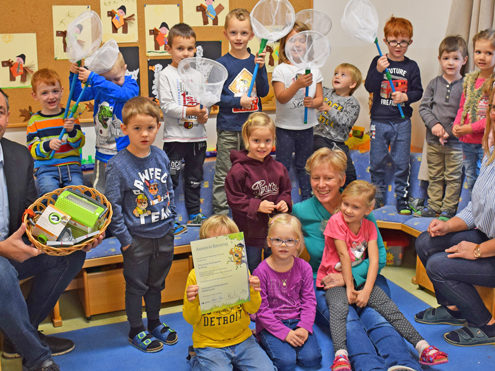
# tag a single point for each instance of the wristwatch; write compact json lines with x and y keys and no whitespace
{"x":477,"y":251}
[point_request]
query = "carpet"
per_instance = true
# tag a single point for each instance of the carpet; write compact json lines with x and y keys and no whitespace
{"x":106,"y":347}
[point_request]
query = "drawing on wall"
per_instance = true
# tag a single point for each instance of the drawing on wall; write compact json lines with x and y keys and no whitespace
{"x":158,"y":20}
{"x":154,"y":67}
{"x":119,"y":20}
{"x":271,"y":58}
{"x":19,"y":59}
{"x":205,"y":12}
{"x":131,"y":57}
{"x":62,"y":17}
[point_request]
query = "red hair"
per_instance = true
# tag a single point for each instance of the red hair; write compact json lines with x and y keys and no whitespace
{"x":396,"y":27}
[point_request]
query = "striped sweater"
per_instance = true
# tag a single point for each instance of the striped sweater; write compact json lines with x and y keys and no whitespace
{"x":43,"y":128}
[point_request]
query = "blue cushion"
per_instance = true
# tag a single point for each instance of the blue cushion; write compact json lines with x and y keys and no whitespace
{"x":388,"y":213}
{"x":419,"y":224}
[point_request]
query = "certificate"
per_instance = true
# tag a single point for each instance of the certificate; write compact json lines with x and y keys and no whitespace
{"x":221,"y":270}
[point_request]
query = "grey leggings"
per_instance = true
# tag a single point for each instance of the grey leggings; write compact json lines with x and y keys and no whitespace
{"x":338,"y":306}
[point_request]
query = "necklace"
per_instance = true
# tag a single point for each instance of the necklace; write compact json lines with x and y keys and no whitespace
{"x":284,"y":282}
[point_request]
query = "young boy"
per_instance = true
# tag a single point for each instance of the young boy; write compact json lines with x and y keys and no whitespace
{"x":44,"y":127}
{"x":140,"y":190}
{"x":223,"y":340}
{"x":438,"y":110}
{"x":387,"y":127}
{"x":110,"y":88}
{"x":339,"y":112}
{"x":184,"y":133}
{"x":235,"y":105}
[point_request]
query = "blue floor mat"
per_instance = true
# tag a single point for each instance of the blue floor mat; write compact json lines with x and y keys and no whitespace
{"x":107,"y":348}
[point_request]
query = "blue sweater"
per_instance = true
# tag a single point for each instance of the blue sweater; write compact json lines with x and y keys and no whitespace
{"x":109,"y":98}
{"x":238,"y":80}
{"x":142,"y":195}
{"x":406,"y":78}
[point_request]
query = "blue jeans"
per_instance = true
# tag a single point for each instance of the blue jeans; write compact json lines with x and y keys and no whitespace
{"x":285,"y":356}
{"x":50,"y":178}
{"x":397,"y":135}
{"x":19,"y":318}
{"x":472,"y":156}
{"x":245,"y":356}
{"x":300,"y":142}
{"x":254,"y":255}
{"x":372,"y":343}
{"x":454,"y":279}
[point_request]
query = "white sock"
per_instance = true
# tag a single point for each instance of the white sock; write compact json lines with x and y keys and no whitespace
{"x":341,"y":352}
{"x":421,"y":345}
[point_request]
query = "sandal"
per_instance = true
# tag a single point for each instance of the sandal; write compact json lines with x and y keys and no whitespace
{"x":468,"y":336}
{"x":341,"y":363}
{"x":437,"y":316}
{"x":145,"y":342}
{"x":431,"y":356}
{"x":165,"y":334}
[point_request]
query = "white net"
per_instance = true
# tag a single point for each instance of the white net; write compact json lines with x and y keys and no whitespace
{"x":104,"y":58}
{"x":307,"y":49}
{"x":360,"y":19}
{"x":83,"y":36}
{"x":272,"y":19}
{"x":203,"y":79}
{"x":315,"y":20}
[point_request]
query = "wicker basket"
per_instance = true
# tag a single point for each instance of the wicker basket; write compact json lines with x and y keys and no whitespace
{"x":39,"y":206}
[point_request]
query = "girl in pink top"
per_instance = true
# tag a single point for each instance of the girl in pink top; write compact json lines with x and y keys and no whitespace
{"x":469,"y":124}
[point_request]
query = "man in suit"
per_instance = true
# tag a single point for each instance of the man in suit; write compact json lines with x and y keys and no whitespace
{"x":19,"y":318}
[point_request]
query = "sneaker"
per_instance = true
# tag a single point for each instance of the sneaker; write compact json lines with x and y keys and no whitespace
{"x":426,"y":212}
{"x":446,"y":215}
{"x":179,"y":228}
{"x":403,"y":207}
{"x":58,"y":346}
{"x":195,"y":220}
{"x":46,"y":365}
{"x":415,"y":204}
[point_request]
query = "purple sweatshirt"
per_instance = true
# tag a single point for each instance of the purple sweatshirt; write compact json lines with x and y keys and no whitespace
{"x":249,"y":182}
{"x":287,"y":295}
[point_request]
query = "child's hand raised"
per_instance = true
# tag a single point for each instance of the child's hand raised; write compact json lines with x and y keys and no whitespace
{"x":247,"y":102}
{"x":83,"y":74}
{"x":266,"y":207}
{"x":304,"y":80}
{"x":260,"y":59}
{"x":55,"y":144}
{"x":282,"y":206}
{"x":69,"y":124}
{"x":254,"y":283}
{"x":382,"y":63}
{"x":74,"y":68}
{"x":192,"y":292}
{"x":293,"y":339}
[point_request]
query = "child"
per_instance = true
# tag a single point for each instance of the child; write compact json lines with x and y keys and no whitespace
{"x":140,"y":189}
{"x":257,"y":185}
{"x":349,"y":237}
{"x":184,"y":133}
{"x":438,"y":109}
{"x":235,"y":105}
{"x":289,"y":83}
{"x":43,"y":129}
{"x":284,"y":322}
{"x":223,"y":340}
{"x":469,"y":124}
{"x":387,"y":128}
{"x":110,"y":88}
{"x":338,"y":113}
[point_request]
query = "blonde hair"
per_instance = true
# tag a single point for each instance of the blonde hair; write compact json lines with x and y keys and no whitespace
{"x":216,"y":222}
{"x":360,"y":189}
{"x":298,"y":27}
{"x":488,"y":35}
{"x":354,"y":72}
{"x":293,"y":223}
{"x":336,"y":158}
{"x":240,"y":14}
{"x":489,"y":129}
{"x":140,"y":106}
{"x":257,"y":120}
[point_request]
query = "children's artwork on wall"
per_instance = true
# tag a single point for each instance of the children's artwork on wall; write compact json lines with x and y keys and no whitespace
{"x":119,"y":18}
{"x":271,"y":58}
{"x":131,"y":58}
{"x":19,"y":59}
{"x":154,"y":67}
{"x":205,"y":12}
{"x":158,"y":20}
{"x":63,"y":15}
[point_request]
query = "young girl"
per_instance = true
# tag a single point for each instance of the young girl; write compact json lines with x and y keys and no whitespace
{"x":257,"y":185}
{"x":469,"y":125}
{"x":284,"y":322}
{"x":348,"y":238}
{"x":289,"y":83}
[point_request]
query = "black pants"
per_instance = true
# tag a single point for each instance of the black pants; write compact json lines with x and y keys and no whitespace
{"x":350,"y":172}
{"x":188,"y":159}
{"x":147,"y":262}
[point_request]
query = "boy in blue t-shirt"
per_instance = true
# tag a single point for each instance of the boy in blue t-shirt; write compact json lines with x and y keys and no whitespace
{"x":387,"y":128}
{"x":235,"y":105}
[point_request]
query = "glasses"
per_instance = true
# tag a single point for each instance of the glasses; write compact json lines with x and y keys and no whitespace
{"x":289,"y":242}
{"x":402,"y":44}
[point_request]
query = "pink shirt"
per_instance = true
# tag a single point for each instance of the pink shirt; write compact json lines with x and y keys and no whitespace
{"x":337,"y":229}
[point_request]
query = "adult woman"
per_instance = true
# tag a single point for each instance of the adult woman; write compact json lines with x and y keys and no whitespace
{"x":460,"y":253}
{"x":327,"y":175}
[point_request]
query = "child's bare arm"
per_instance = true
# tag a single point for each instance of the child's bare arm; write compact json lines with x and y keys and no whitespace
{"x":345,"y":261}
{"x":284,"y":94}
{"x":364,"y":294}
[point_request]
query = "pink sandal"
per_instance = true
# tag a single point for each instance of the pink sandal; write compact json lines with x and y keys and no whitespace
{"x":341,"y":363}
{"x":432,"y":356}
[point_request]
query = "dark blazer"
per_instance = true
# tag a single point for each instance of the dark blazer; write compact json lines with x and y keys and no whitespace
{"x":18,"y":168}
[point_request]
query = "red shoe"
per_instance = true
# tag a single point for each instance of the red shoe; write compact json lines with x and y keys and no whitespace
{"x":341,"y":363}
{"x":432,"y":356}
